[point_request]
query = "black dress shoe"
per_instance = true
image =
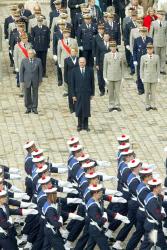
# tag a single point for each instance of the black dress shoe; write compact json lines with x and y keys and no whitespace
{"x":60,"y":83}
{"x":11,"y":65}
{"x":28,"y":111}
{"x":21,"y":95}
{"x":154,"y":108}
{"x":35,"y":111}
{"x":18,"y":85}
{"x":163,"y":73}
{"x":110,"y":109}
{"x":65,"y":94}
{"x":140,"y":92}
{"x":118,"y":109}
{"x":147,"y":109}
{"x":87,"y":129}
{"x":45,"y":76}
{"x":79,"y":129}
{"x":102,"y":93}
{"x":132,"y":73}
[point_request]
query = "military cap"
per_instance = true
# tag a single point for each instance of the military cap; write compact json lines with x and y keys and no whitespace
{"x":105,"y":14}
{"x":42,"y":169}
{"x":83,"y":157}
{"x":95,"y":187}
{"x":161,"y":12}
{"x":57,"y":2}
{"x":86,"y":16}
{"x":101,"y":26}
{"x":37,"y":152}
{"x":83,"y":5}
{"x":134,"y":13}
{"x":40,"y":19}
{"x":150,"y":45}
{"x":66,"y":30}
{"x":88,"y":164}
{"x":73,"y":140}
{"x":91,"y":175}
{"x":37,"y":11}
{"x":17,"y":14}
{"x":143,"y":29}
{"x":61,"y":22}
{"x":76,"y":148}
{"x":44,"y":180}
{"x":123,"y":137}
{"x":20,"y":24}
{"x":38,"y":158}
{"x":63,"y":15}
{"x":51,"y":190}
{"x":110,"y":14}
{"x":123,"y":146}
{"x":134,"y":163}
{"x":126,"y":152}
{"x":145,"y":171}
{"x":154,"y":182}
{"x":112,"y":44}
{"x":29,"y":144}
{"x":86,"y":10}
{"x":14,"y":7}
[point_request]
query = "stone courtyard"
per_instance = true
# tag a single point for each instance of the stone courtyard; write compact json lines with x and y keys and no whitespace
{"x":54,"y":124}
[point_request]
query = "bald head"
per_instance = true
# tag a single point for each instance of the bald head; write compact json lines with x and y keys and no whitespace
{"x":82,"y":62}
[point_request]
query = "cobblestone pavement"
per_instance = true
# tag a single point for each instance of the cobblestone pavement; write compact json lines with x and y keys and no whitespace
{"x":54,"y":124}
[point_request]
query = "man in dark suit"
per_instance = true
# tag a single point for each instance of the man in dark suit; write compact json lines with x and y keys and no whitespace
{"x":86,"y":33}
{"x":140,"y":49}
{"x":31,"y":78}
{"x":40,"y":39}
{"x":70,"y":63}
{"x":83,"y":89}
{"x":102,"y":49}
{"x":113,"y":28}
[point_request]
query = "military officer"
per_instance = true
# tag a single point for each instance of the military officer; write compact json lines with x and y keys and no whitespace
{"x":33,"y":21}
{"x":150,"y":73}
{"x":101,"y":49}
{"x":40,"y":39}
{"x":85,"y":34}
{"x":8,"y":20}
{"x":94,"y":11}
{"x":64,"y":51}
{"x":113,"y":63}
{"x":55,"y":12}
{"x":134,"y":33}
{"x":158,"y":32}
{"x":139,"y":49}
{"x":135,"y":4}
{"x":0,"y":53}
{"x":63,"y":16}
{"x":79,"y":16}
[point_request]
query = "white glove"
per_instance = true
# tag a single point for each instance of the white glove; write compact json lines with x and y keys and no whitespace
{"x":15,"y":177}
{"x":28,"y":211}
{"x":127,"y":47}
{"x":165,"y":198}
{"x":135,"y":63}
{"x":109,"y":177}
{"x":14,"y":170}
{"x":118,"y":200}
{"x":62,"y":170}
{"x":7,"y":40}
{"x":15,"y":189}
{"x":75,"y":216}
{"x":105,"y":215}
{"x":122,"y":218}
{"x":77,"y":6}
{"x":81,"y":48}
{"x":65,"y":184}
{"x":27,"y":205}
{"x":55,"y":58}
{"x":70,"y":190}
{"x":112,"y":192}
{"x":106,"y":81}
{"x":10,"y":51}
{"x":21,"y":196}
{"x":106,"y":224}
{"x":61,"y":220}
{"x":159,"y":80}
{"x":59,"y":165}
{"x":59,"y":65}
{"x":74,"y":200}
{"x":94,"y":59}
{"x":163,"y":211}
{"x":16,"y":70}
{"x":10,"y":220}
{"x":104,"y":164}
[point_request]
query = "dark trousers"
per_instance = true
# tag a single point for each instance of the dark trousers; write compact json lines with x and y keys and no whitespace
{"x":82,"y":241}
{"x":31,"y":227}
{"x":31,"y":97}
{"x":37,"y":245}
{"x":6,"y":243}
{"x":71,"y":103}
{"x":55,"y":239}
{"x":139,"y":232}
{"x":127,"y":54}
{"x":89,"y":57}
{"x":132,"y":210}
{"x":11,"y":59}
{"x":97,"y":237}
{"x":17,"y":79}
{"x":29,"y":187}
{"x":82,"y":122}
{"x":59,"y":74}
{"x":100,"y":79}
{"x":132,"y":67}
{"x":42,"y":55}
{"x":139,"y":82}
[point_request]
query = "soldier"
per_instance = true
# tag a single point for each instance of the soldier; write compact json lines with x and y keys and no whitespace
{"x":33,"y":21}
{"x":113,"y":63}
{"x":64,"y":51}
{"x":134,"y":33}
{"x":24,"y":14}
{"x":101,"y":50}
{"x":97,"y":39}
{"x":113,"y":28}
{"x":150,"y":73}
{"x":85,"y":34}
{"x":40,"y":39}
{"x":74,"y":6}
{"x":13,"y":25}
{"x":158,"y":32}
{"x":70,"y":63}
{"x":139,"y":49}
{"x":79,"y":16}
{"x":135,"y":4}
{"x":20,"y":52}
{"x":8,"y":20}
{"x":154,"y":217}
{"x":63,"y":16}
{"x":31,"y":77}
{"x":55,"y":12}
{"x":94,"y":11}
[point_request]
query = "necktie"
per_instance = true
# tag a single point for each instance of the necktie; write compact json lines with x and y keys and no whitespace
{"x":160,"y":24}
{"x":150,"y":57}
{"x":83,"y":72}
{"x":67,"y":41}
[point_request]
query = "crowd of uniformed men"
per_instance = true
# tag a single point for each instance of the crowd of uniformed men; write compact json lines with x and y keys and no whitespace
{"x":80,"y":212}
{"x":93,"y":30}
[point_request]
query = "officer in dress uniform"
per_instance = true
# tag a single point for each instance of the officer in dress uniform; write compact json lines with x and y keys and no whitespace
{"x":113,"y":28}
{"x":154,"y":218}
{"x":142,"y":191}
{"x":101,"y":49}
{"x":85,"y":34}
{"x":8,"y":20}
{"x":64,"y":51}
{"x":113,"y":63}
{"x":97,"y":39}
{"x":150,"y":74}
{"x":70,"y":63}
{"x":40,"y":39}
{"x":24,"y":15}
{"x":135,"y":33}
{"x":158,"y":32}
{"x":33,"y":20}
{"x":79,"y":16}
{"x":55,"y":12}
{"x":94,"y":11}
{"x":139,"y":49}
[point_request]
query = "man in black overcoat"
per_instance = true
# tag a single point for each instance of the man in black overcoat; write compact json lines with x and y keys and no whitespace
{"x":70,"y":63}
{"x":83,"y":89}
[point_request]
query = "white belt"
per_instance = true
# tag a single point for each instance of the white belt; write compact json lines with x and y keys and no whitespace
{"x":141,"y":209}
{"x":29,"y":176}
{"x":134,"y":198}
{"x":2,"y":231}
{"x":93,"y":223}
{"x":42,"y":216}
{"x":48,"y":225}
{"x":125,"y":189}
{"x":153,"y":221}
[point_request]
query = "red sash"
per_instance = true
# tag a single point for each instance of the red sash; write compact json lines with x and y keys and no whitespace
{"x":23,"y":50}
{"x":67,"y":49}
